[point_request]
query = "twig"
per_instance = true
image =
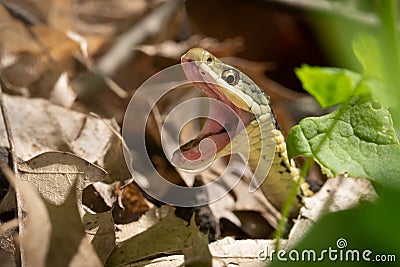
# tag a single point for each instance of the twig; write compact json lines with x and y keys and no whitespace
{"x":4,"y":168}
{"x":118,"y":90}
{"x":10,"y":139}
{"x":122,"y":50}
{"x":22,"y":13}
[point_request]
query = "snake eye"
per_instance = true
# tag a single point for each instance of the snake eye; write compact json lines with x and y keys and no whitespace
{"x":209,"y":60}
{"x":230,"y":76}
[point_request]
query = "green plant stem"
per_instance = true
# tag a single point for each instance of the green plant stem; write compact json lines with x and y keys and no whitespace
{"x":292,"y":196}
{"x":388,"y":15}
{"x":303,"y":173}
{"x":387,"y":11}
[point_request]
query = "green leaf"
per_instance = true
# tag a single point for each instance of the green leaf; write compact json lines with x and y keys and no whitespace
{"x":330,"y":86}
{"x":357,"y":139}
{"x":342,"y":232}
{"x":380,"y":61}
{"x":368,"y":52}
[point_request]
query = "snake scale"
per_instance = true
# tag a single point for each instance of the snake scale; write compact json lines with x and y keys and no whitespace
{"x":266,"y":145}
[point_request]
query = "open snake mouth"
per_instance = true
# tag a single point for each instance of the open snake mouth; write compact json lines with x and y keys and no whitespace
{"x":225,"y":121}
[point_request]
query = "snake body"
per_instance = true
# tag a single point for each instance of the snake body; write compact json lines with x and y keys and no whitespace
{"x":266,"y":144}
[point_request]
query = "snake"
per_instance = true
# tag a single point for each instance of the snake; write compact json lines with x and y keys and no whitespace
{"x":257,"y":131}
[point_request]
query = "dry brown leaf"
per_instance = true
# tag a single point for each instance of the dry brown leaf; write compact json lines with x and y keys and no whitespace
{"x":6,"y":258}
{"x":62,"y":93}
{"x":39,"y":126}
{"x":166,"y":261}
{"x":167,"y":234}
{"x":37,"y":54}
{"x":240,"y":252}
{"x":54,"y":175}
{"x":101,"y":17}
{"x":131,"y":203}
{"x":34,"y":10}
{"x":100,"y":229}
{"x":58,"y":44}
{"x":8,"y":202}
{"x":38,"y":229}
{"x":14,"y":37}
{"x":21,"y":69}
{"x":106,"y":192}
{"x":60,"y":15}
{"x":197,"y":252}
{"x":72,"y":247}
{"x":151,"y":217}
{"x":21,"y":60}
{"x":174,"y":50}
{"x":44,"y":240}
{"x":8,"y":231}
{"x":339,"y":193}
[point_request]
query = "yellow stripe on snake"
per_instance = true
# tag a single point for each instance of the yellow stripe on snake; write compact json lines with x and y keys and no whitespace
{"x":266,"y":144}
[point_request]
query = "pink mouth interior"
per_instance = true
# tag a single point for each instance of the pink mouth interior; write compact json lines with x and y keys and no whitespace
{"x":221,"y":135}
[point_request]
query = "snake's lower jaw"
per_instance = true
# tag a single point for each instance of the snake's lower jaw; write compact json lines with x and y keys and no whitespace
{"x":180,"y":161}
{"x":199,"y":153}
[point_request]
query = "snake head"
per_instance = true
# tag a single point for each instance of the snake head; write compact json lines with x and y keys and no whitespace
{"x":248,"y":116}
{"x":199,"y":55}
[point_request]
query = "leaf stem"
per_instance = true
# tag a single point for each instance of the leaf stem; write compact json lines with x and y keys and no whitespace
{"x":390,"y":44}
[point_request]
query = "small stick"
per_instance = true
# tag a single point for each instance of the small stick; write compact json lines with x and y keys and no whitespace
{"x":11,"y":145}
{"x":14,"y":164}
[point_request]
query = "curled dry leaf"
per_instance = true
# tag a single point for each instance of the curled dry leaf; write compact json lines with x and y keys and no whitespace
{"x":131,"y":203}
{"x":62,"y":93}
{"x":174,"y":50}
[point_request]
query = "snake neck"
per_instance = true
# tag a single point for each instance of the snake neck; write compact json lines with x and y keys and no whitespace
{"x":283,"y":176}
